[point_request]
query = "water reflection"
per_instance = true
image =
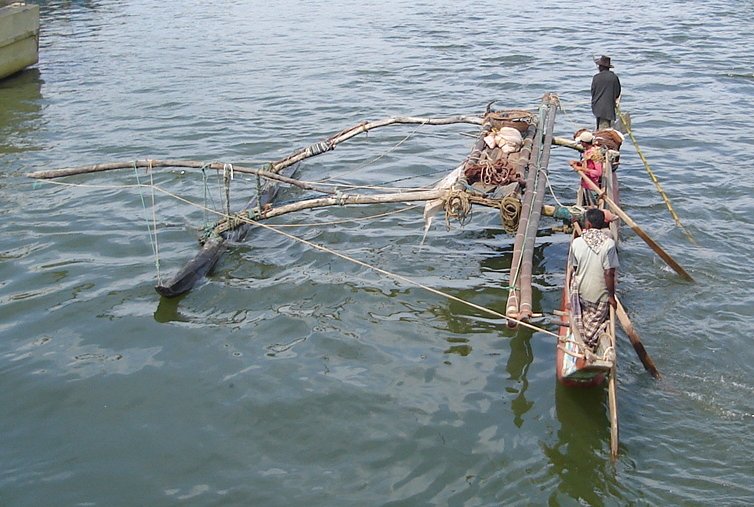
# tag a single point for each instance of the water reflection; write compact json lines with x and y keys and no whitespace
{"x":54,"y":6}
{"x":578,"y":457}
{"x":20,"y":116}
{"x":167,"y":311}
{"x":519,"y":361}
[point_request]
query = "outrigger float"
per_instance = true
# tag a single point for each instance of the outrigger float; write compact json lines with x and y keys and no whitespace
{"x":506,"y":170}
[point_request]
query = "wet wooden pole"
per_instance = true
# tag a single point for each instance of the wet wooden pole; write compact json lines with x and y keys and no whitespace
{"x":633,"y":337}
{"x":612,"y":394}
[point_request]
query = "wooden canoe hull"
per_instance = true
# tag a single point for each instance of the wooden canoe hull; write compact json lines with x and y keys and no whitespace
{"x":573,"y":370}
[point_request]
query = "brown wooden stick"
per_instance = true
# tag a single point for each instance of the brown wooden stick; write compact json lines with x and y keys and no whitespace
{"x":638,"y":230}
{"x":612,"y":395}
{"x":344,"y":199}
{"x":190,"y":164}
{"x":633,"y":336}
{"x":344,"y":135}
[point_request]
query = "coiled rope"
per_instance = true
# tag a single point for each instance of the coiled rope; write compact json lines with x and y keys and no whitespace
{"x":457,"y":207}
{"x":510,"y":213}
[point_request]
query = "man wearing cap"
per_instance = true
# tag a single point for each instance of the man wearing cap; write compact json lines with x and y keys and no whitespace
{"x":605,"y":93}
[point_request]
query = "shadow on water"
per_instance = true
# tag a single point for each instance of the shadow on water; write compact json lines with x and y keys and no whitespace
{"x":167,"y":311}
{"x":578,"y":456}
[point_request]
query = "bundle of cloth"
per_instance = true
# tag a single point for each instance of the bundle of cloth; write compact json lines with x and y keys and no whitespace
{"x":507,"y":139}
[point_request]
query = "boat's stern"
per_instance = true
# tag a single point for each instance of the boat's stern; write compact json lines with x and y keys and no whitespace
{"x":576,"y":366}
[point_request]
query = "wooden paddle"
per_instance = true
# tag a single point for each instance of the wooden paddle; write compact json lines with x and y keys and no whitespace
{"x":633,"y":336}
{"x":638,"y":230}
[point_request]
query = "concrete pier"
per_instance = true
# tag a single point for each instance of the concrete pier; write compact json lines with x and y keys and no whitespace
{"x":19,"y":37}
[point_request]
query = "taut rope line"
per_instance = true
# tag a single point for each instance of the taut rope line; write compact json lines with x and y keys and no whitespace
{"x":151,"y":228}
{"x":652,"y":175}
{"x":396,"y":276}
{"x":389,"y":274}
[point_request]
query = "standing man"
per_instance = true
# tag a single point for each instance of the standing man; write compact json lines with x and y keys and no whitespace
{"x":591,"y":280}
{"x":605,"y":93}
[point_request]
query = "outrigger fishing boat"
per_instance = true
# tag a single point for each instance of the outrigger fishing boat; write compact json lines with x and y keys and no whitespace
{"x":506,"y":171}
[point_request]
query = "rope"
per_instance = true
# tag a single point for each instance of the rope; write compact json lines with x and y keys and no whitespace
{"x":227,"y":177}
{"x":392,"y":149}
{"x":547,"y":180}
{"x":259,"y":194}
{"x":207,"y":193}
{"x":316,"y":149}
{"x":457,"y":206}
{"x":152,"y":234}
{"x":396,"y":276}
{"x":497,"y":173}
{"x":230,"y":222}
{"x":154,"y":225}
{"x":510,"y":212}
{"x":652,"y":175}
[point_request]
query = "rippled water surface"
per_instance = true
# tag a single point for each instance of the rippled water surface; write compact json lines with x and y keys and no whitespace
{"x":294,"y":377}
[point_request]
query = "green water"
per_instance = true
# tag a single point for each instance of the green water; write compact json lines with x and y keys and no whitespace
{"x":293,"y":377}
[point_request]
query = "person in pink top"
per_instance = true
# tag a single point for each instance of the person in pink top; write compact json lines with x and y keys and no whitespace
{"x":591,"y":160}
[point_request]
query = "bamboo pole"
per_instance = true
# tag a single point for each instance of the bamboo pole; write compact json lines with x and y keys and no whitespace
{"x":331,"y":142}
{"x":527,"y":255}
{"x":638,"y":230}
{"x":274,"y":167}
{"x":633,"y":337}
{"x":514,"y":279}
{"x":189,"y":164}
{"x":568,"y":143}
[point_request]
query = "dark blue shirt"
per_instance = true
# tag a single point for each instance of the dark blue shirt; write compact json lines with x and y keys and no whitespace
{"x":605,"y":90}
